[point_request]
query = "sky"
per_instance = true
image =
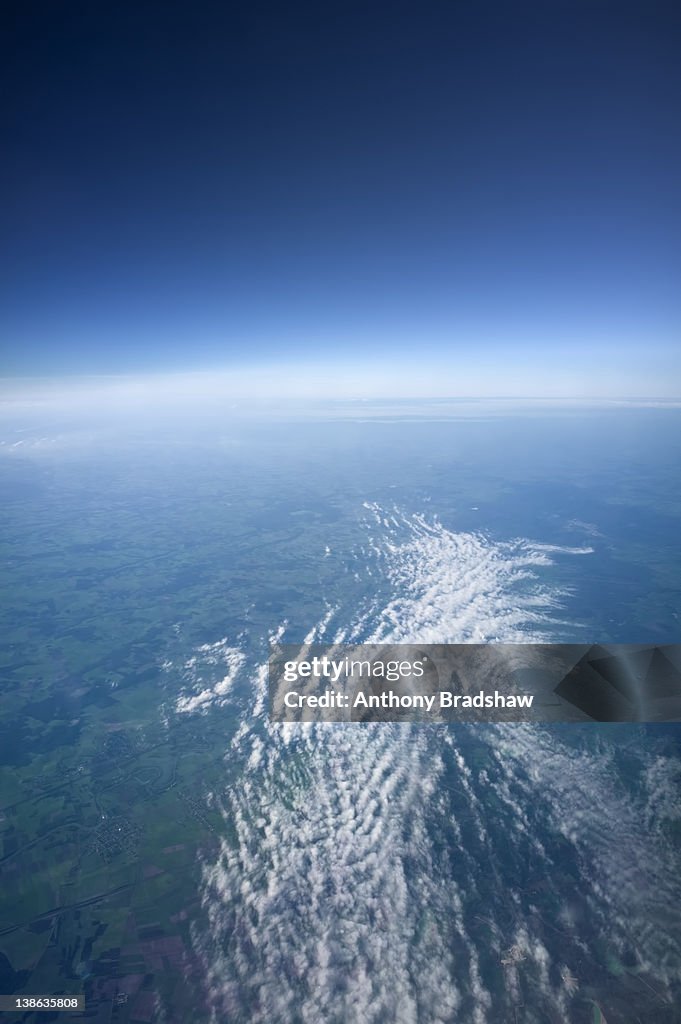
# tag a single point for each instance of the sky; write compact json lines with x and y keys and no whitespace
{"x":453,"y":198}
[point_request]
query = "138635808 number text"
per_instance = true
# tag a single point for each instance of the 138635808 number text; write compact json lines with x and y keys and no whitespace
{"x":24,"y":1002}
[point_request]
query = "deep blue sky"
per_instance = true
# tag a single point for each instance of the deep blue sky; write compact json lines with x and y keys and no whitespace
{"x":204,"y":185}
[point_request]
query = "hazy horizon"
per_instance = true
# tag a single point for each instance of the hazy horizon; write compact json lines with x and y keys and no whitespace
{"x":282,"y":385}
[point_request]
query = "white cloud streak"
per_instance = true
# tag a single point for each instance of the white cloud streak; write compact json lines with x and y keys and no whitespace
{"x":376,"y":873}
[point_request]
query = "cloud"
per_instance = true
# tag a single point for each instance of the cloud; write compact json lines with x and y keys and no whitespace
{"x":338,"y":903}
{"x":383,"y":872}
{"x":452,"y":587}
{"x":201,"y":690}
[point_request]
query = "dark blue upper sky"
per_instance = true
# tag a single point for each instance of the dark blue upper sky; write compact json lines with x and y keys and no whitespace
{"x":199,"y":185}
